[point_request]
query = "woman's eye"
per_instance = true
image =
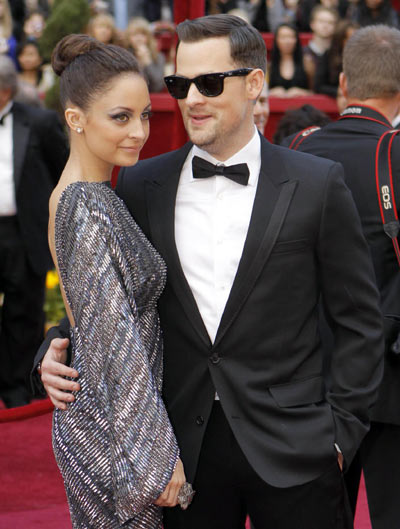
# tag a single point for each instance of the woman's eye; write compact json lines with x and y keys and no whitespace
{"x":122,"y":118}
{"x":147,"y":115}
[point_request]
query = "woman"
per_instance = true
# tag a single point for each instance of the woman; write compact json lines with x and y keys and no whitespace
{"x":370,"y":12}
{"x":114,"y":444}
{"x":287,"y":77}
{"x":329,"y":65}
{"x":102,"y":27}
{"x":140,"y":40}
{"x":32,"y":70}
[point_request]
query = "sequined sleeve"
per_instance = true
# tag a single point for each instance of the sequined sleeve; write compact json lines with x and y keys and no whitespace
{"x":120,"y":371}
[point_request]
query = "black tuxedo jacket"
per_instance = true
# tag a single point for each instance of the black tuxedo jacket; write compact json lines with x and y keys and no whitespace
{"x":40,"y":153}
{"x":266,"y":361}
{"x":352,"y":142}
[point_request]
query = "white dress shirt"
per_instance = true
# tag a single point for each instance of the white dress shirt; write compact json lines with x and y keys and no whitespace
{"x":212,"y":217}
{"x":8,"y":204}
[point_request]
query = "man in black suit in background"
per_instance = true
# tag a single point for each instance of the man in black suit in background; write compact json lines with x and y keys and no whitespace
{"x":252,"y":235}
{"x":371,"y":83}
{"x":32,"y":155}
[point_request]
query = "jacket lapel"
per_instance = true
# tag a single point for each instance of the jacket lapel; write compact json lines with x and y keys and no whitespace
{"x":20,"y":142}
{"x":161,"y":197}
{"x":273,"y":196}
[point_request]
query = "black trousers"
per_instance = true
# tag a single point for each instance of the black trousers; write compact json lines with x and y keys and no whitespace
{"x":379,"y":458}
{"x":228,"y":489}
{"x":22,"y":316}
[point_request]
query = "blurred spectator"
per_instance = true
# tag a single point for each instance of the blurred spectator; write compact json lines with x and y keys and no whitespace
{"x":99,"y":6}
{"x":323,"y":23}
{"x":287,"y":77}
{"x":261,"y":109}
{"x":214,"y":7}
{"x":329,"y":65}
{"x":241,"y":13}
{"x":271,"y":13}
{"x":33,"y":152}
{"x":34,"y":25}
{"x":32,"y":70}
{"x":164,"y":33}
{"x":44,"y":6}
{"x":28,"y":95}
{"x":141,"y":41}
{"x":8,"y":43}
{"x":306,"y":6}
{"x":369,"y":12}
{"x":297,"y":119}
{"x":102,"y":27}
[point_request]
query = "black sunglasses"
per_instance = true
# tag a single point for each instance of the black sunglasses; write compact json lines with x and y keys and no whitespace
{"x":208,"y":84}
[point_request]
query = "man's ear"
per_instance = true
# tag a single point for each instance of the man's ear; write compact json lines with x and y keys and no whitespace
{"x":343,"y":85}
{"x":254,"y":83}
{"x":75,"y":118}
{"x":5,"y":96}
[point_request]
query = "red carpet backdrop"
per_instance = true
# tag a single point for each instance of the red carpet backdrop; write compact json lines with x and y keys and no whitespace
{"x":31,"y":490}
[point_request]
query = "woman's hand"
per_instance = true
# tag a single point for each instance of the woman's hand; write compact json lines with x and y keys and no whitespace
{"x":169,"y":498}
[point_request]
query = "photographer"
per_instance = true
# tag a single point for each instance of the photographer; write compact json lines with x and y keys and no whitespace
{"x":372,"y":89}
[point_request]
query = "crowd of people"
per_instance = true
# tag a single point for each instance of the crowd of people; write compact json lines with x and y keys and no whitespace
{"x":294,"y":67}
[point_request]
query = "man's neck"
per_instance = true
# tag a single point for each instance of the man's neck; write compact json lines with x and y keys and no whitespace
{"x":389,"y":106}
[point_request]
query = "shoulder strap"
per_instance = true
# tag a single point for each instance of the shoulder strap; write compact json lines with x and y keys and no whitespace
{"x":301,"y":136}
{"x":384,"y":187}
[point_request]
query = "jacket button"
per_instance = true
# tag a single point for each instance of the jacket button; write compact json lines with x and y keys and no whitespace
{"x":215,"y":358}
{"x":199,"y":420}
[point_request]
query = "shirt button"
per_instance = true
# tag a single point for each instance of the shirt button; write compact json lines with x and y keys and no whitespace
{"x":199,"y":420}
{"x":215,"y":358}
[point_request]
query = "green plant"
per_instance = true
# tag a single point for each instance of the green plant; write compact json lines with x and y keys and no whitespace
{"x":67,"y":16}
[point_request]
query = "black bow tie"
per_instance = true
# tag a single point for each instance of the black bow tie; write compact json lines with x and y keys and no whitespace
{"x":239,"y":173}
{"x":3,"y":117}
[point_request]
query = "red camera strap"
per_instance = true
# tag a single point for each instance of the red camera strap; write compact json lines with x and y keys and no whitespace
{"x":384,"y":187}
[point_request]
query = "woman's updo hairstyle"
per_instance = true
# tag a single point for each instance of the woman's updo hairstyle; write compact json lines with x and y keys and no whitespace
{"x":86,"y":67}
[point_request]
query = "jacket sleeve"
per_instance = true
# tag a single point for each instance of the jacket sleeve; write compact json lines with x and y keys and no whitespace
{"x":351,"y":303}
{"x":60,"y":331}
{"x":121,"y":373}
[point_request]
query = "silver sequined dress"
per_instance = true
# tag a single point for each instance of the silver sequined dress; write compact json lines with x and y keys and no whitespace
{"x":114,"y":444}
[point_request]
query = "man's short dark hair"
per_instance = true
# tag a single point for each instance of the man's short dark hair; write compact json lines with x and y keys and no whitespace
{"x":371,"y":62}
{"x":247,"y":45}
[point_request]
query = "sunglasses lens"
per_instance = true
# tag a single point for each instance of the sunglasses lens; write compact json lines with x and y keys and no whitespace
{"x":178,"y":87}
{"x":210,"y":85}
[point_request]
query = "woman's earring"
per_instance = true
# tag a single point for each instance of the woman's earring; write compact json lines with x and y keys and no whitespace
{"x":79,"y":130}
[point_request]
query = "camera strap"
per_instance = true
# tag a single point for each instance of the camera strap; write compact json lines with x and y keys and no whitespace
{"x":384,"y":187}
{"x":301,"y":136}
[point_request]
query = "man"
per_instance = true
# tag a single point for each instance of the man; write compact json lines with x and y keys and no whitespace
{"x":323,"y":21}
{"x":246,"y":266}
{"x":371,"y":84}
{"x":32,"y":155}
{"x":261,"y":109}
